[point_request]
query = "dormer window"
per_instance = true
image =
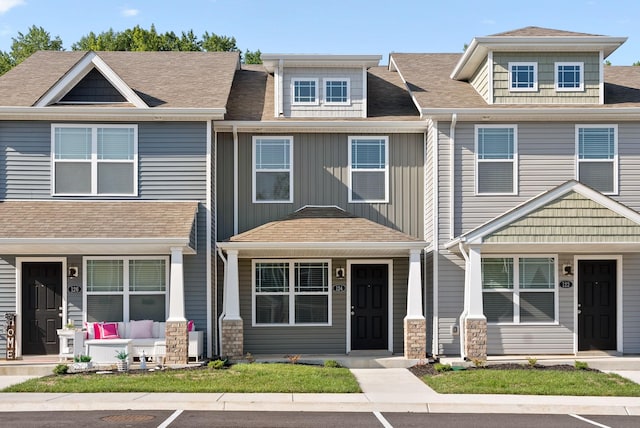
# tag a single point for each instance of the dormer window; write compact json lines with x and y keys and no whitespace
{"x":305,"y":91}
{"x":569,"y":76}
{"x":337,"y":91}
{"x":523,"y":76}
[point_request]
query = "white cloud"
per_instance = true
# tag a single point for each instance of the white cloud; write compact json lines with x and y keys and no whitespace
{"x":127,"y":12}
{"x":6,"y":5}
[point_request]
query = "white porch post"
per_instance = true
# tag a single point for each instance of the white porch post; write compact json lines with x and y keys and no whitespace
{"x":176,"y":286}
{"x":475,"y":309}
{"x":232,"y":335}
{"x":475,"y":326}
{"x":415,"y":324}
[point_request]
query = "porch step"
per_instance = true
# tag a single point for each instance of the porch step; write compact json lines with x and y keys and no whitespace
{"x":26,"y":369}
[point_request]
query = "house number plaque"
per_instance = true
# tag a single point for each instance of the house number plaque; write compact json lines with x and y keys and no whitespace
{"x":75,"y":289}
{"x":566,"y":284}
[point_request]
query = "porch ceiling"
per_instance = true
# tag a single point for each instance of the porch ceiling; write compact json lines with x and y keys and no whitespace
{"x":97,"y":227}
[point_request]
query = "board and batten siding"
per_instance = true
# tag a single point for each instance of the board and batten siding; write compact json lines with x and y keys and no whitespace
{"x":546,"y":93}
{"x":631,"y":303}
{"x":354,"y":109}
{"x":321,"y":177}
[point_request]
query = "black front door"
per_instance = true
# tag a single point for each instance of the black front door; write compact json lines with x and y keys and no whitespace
{"x":41,"y":303}
{"x":596,"y":305}
{"x":369,"y":307}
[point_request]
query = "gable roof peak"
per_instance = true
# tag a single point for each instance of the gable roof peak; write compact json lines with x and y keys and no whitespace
{"x":533,"y":31}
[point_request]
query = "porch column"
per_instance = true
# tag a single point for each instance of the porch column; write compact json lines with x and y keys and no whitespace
{"x":475,"y":324}
{"x":415,"y":324}
{"x":232,"y":329}
{"x":176,"y":333}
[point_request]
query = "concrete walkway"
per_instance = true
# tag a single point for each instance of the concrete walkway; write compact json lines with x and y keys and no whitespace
{"x":384,"y":390}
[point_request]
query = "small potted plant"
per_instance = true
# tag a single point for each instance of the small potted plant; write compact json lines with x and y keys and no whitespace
{"x":82,"y":362}
{"x":123,"y":363}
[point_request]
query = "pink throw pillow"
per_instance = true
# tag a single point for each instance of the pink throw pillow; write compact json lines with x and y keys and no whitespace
{"x":142,"y":329}
{"x":107,"y":330}
{"x":190,"y":325}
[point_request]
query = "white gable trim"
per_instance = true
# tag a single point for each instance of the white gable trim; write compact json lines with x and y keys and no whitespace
{"x":78,"y":71}
{"x":477,"y":235}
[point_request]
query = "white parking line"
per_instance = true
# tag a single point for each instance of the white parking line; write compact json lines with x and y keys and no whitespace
{"x":589,"y":421}
{"x":170,"y":419}
{"x":385,"y":423}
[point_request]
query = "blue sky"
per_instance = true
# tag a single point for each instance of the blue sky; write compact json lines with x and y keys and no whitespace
{"x":329,"y":26}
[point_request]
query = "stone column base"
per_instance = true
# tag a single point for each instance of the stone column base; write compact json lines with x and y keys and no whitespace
{"x":415,"y":338}
{"x":177,"y":343}
{"x":475,"y":333}
{"x":232,"y":338}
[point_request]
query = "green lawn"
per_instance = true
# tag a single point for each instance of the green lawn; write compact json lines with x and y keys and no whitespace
{"x":238,"y":378}
{"x":533,"y":382}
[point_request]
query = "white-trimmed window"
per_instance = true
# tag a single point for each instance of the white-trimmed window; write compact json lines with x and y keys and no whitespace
{"x":520,"y":290}
{"x":126,"y":288}
{"x":337,"y":91}
{"x":496,"y":151}
{"x":291,"y":292}
{"x":94,"y":159}
{"x":304,"y":91}
{"x":272,"y":169}
{"x":597,"y":157}
{"x":569,"y":76}
{"x":523,"y":76}
{"x":368,"y":169}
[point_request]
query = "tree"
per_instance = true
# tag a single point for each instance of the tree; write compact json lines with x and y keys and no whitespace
{"x":214,"y":43}
{"x":252,"y":57}
{"x":637,"y":63}
{"x":25,"y":44}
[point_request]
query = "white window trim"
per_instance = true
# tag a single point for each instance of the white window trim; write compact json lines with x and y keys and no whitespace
{"x":386,"y":169}
{"x":514,"y":160}
{"x":255,"y":170}
{"x":615,"y":154}
{"x":516,"y":290}
{"x":125,"y":293}
{"x":535,"y":76}
{"x":94,"y":158}
{"x":555,"y":71}
{"x":292,"y":293}
{"x":336,"y":79}
{"x":293,"y":91}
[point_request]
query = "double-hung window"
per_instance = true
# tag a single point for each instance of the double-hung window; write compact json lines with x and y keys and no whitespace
{"x":94,"y":159}
{"x":496,"y":159}
{"x":520,"y":289}
{"x":272,"y":169}
{"x":305,"y":91}
{"x":337,"y":91}
{"x":569,"y":76}
{"x":523,"y":76}
{"x":126,"y":288}
{"x":291,"y":293}
{"x":369,"y":169}
{"x":597,"y":153}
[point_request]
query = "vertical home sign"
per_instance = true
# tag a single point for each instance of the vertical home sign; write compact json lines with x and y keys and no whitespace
{"x":11,"y":336}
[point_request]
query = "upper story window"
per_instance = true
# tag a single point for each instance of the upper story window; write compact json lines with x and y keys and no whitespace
{"x":523,"y":76}
{"x":597,"y":153}
{"x":94,"y":159}
{"x":369,"y":169}
{"x":519,"y":289}
{"x":305,"y":91}
{"x":291,"y":293}
{"x":337,"y":91}
{"x":272,"y":169}
{"x":569,"y":76}
{"x":496,"y":159}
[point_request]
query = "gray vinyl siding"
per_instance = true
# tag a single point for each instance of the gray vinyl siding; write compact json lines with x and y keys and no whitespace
{"x":321,"y":177}
{"x":354,"y":109}
{"x":546,"y":93}
{"x":480,"y":80}
{"x":400,"y":283}
{"x":450,"y":301}
{"x":224,"y":185}
{"x":195,"y":280}
{"x":631,"y":303}
{"x":7,"y":296}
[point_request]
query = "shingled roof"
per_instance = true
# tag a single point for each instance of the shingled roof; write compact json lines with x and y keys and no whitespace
{"x":533,"y":31}
{"x":161,"y":79}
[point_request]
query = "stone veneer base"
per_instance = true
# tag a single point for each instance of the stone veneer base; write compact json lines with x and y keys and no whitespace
{"x":475,"y":339}
{"x":177,"y":343}
{"x":415,"y":339}
{"x":232,"y":338}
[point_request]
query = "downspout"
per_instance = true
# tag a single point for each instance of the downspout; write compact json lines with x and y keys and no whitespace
{"x":224,"y":293}
{"x":452,"y":175}
{"x":209,"y":229}
{"x":465,"y":310}
{"x":435,"y":323}
{"x":235,"y":181}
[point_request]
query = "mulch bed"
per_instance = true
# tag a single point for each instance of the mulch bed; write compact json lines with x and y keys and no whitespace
{"x":421,"y":370}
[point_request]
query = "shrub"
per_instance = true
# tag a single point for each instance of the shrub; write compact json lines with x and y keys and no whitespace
{"x":442,"y":367}
{"x":293,"y":359}
{"x":216,"y":364}
{"x":580,"y":365}
{"x":532,"y":361}
{"x":333,"y":364}
{"x":250,"y":359}
{"x":60,"y":369}
{"x":80,"y":358}
{"x":478,"y":362}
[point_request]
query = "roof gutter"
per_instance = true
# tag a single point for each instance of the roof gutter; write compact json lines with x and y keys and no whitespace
{"x":417,"y":125}
{"x":322,"y":245}
{"x":111,"y":113}
{"x":533,"y":114}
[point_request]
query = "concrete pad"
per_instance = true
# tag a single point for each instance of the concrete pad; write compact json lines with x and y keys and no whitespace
{"x":257,"y":397}
{"x":330,"y":398}
{"x":397,"y":384}
{"x":632,"y":375}
{"x":6,"y":381}
{"x":521,"y":408}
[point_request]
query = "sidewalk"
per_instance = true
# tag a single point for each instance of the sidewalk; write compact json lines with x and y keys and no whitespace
{"x":384,"y":390}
